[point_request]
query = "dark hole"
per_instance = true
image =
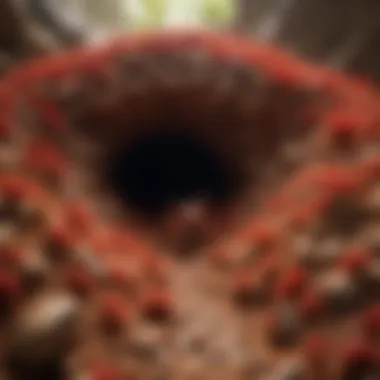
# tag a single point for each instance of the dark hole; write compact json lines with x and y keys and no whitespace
{"x":168,"y":167}
{"x":360,"y":370}
{"x":50,"y":370}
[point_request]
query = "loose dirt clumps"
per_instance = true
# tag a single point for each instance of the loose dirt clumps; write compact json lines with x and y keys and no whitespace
{"x":282,"y":280}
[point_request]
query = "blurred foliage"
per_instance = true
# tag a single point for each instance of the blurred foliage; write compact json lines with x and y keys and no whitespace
{"x":166,"y":13}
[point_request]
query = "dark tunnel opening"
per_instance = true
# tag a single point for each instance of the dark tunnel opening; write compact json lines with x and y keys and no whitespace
{"x":168,"y":167}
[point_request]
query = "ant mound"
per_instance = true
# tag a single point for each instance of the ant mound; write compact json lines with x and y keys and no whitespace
{"x":188,"y":205}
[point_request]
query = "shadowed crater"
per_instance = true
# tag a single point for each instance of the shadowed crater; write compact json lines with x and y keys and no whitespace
{"x":166,"y":168}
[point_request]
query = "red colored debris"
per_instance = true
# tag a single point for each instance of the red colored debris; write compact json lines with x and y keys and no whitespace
{"x":155,"y":267}
{"x":371,"y":321}
{"x":123,"y":279}
{"x":13,"y":188}
{"x":59,"y":244}
{"x":270,"y":267}
{"x":10,"y":256}
{"x":343,"y":126}
{"x":293,"y":283}
{"x":372,"y":168}
{"x":78,"y":219}
{"x":358,"y":354}
{"x":113,"y":314}
{"x":356,"y":260}
{"x":158,"y":306}
{"x":264,"y":237}
{"x":316,"y":348}
{"x":311,"y":306}
{"x":10,"y":290}
{"x":41,"y":156}
{"x":340,"y":181}
{"x":105,"y":372}
{"x":79,"y":281}
{"x":51,"y":115}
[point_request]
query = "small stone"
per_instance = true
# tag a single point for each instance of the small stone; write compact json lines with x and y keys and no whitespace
{"x":337,"y":290}
{"x":144,"y":342}
{"x":45,"y":328}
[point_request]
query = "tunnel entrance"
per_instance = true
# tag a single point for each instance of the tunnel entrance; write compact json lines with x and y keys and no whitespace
{"x":165,"y":168}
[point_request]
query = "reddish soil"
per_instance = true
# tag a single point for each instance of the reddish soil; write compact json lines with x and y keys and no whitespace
{"x":286,"y":281}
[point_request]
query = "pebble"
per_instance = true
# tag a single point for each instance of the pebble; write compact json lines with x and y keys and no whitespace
{"x":144,"y":342}
{"x":45,"y":328}
{"x":337,"y":291}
